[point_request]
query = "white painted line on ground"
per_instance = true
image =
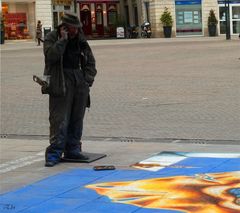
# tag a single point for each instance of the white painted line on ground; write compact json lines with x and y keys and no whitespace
{"x":15,"y":164}
{"x":175,"y":141}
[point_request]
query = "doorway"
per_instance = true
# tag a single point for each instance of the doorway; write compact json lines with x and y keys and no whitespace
{"x":235,"y":18}
{"x":99,"y":20}
{"x":234,"y":12}
{"x":85,"y":16}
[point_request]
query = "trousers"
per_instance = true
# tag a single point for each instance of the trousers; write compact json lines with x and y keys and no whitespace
{"x":66,"y":116}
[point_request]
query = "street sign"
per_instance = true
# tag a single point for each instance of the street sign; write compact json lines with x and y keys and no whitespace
{"x":120,"y":32}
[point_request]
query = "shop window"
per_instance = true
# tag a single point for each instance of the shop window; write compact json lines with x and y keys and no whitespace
{"x":222,"y":20}
{"x":234,"y":11}
{"x":146,"y":4}
{"x":55,"y":19}
{"x":99,"y":14}
{"x":57,"y":15}
{"x":112,"y":14}
{"x":112,"y":17}
{"x":16,"y":26}
{"x":126,"y":14}
{"x":188,"y":17}
{"x":98,"y":17}
{"x":236,"y":19}
{"x":67,"y":7}
{"x":136,"y":16}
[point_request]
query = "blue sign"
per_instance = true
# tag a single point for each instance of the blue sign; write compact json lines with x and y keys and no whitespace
{"x":230,"y":1}
{"x":187,"y":2}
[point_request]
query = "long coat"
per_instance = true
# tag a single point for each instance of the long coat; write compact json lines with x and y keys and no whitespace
{"x":54,"y":48}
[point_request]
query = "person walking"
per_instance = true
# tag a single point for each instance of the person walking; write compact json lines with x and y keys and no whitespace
{"x":71,"y":65}
{"x":39,"y":32}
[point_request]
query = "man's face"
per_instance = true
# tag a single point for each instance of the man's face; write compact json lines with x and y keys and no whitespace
{"x":72,"y":31}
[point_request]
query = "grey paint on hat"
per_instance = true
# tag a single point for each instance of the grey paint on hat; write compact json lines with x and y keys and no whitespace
{"x":71,"y":19}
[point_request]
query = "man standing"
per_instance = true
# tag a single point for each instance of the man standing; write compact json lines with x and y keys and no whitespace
{"x":71,"y":66}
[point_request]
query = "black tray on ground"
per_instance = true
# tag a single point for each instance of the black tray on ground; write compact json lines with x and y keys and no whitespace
{"x":91,"y":157}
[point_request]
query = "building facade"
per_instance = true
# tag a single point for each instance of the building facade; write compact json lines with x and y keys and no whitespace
{"x":190,"y":16}
{"x":98,"y":17}
{"x":101,"y":17}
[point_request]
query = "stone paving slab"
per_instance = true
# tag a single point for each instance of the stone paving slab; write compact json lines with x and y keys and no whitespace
{"x":15,"y":173}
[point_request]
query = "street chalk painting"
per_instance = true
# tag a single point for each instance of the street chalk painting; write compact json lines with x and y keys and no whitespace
{"x":218,"y":193}
{"x":170,"y":159}
{"x":168,"y":182}
{"x":198,"y":193}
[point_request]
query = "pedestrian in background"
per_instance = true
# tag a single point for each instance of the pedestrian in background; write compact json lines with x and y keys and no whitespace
{"x":39,"y":32}
{"x":21,"y":27}
{"x":71,"y":65}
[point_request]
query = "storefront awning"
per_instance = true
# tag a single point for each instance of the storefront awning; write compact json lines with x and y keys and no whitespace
{"x":62,"y":2}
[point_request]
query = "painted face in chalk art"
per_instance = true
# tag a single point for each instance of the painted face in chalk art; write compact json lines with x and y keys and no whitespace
{"x":202,"y":193}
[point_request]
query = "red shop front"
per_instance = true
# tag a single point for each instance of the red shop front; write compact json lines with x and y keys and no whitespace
{"x":99,"y":17}
{"x":16,"y":26}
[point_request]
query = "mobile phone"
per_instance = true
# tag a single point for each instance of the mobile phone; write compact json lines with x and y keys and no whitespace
{"x":65,"y":29}
{"x":100,"y":168}
{"x":64,"y":32}
{"x":40,"y":81}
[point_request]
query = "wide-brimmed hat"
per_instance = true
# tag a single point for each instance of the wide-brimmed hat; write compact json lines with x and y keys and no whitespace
{"x":71,"y":19}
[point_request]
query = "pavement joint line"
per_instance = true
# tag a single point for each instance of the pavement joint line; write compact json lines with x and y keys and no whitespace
{"x":176,"y":141}
{"x":87,"y":139}
{"x":18,"y":163}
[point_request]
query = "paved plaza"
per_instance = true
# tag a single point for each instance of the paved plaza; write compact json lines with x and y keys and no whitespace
{"x":145,"y":88}
{"x":150,"y":96}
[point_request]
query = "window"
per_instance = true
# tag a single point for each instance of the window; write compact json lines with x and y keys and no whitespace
{"x":236,"y":19}
{"x":55,"y":19}
{"x":234,"y":16}
{"x":222,"y":20}
{"x":112,"y":17}
{"x":99,"y":17}
{"x":147,"y":10}
{"x":188,"y":17}
{"x":127,"y":14}
{"x":136,"y":16}
{"x":67,"y":7}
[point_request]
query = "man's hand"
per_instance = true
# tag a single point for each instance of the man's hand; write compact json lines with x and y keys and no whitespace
{"x":64,"y":33}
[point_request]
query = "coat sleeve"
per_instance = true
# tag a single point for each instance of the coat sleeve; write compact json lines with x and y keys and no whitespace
{"x":53,"y":48}
{"x":89,"y":63}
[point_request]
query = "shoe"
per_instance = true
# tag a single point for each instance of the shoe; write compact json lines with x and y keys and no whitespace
{"x":50,"y":163}
{"x":76,"y":156}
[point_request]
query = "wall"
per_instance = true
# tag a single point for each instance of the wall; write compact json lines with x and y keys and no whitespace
{"x":156,"y":9}
{"x":31,"y":19}
{"x":43,"y":10}
{"x":207,"y":5}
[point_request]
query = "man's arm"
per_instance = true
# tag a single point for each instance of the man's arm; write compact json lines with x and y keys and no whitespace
{"x":53,"y":47}
{"x":89,"y":66}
